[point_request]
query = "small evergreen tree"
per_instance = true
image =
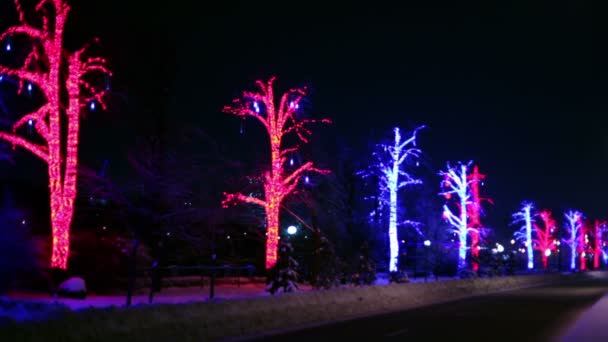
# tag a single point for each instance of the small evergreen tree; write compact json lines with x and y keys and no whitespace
{"x":330,"y":269}
{"x":365,"y":267}
{"x":284,"y":274}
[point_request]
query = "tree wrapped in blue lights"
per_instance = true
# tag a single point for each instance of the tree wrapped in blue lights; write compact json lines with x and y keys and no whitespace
{"x":524,"y":234}
{"x":456,"y":182}
{"x":574,"y":222}
{"x":388,"y":167}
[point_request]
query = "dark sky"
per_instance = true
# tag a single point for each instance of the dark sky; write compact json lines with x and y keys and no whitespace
{"x":520,"y":88}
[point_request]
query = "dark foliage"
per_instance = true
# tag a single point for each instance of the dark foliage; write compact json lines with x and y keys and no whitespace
{"x":284,"y":275}
{"x":365,"y":267}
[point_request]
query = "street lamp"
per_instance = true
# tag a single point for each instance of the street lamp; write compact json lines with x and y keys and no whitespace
{"x":499,"y":248}
{"x":426,"y":243}
{"x":291,"y":230}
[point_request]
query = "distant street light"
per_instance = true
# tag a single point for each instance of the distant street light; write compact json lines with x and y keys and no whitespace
{"x":427,"y":243}
{"x":499,"y":248}
{"x":292,"y":230}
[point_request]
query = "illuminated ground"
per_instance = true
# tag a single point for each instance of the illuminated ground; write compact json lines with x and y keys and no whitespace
{"x":539,"y":314}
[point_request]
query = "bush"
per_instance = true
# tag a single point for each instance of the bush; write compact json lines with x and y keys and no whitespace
{"x":102,"y":260}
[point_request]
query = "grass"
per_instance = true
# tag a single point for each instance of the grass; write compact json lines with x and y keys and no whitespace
{"x":185,"y":322}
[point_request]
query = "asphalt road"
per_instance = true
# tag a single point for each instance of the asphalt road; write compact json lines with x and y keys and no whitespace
{"x":536,"y":314}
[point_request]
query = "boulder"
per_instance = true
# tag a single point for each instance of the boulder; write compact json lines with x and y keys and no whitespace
{"x":74,"y":287}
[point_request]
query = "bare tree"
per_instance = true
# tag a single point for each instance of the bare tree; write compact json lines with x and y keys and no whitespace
{"x":64,"y":79}
{"x":279,"y":121}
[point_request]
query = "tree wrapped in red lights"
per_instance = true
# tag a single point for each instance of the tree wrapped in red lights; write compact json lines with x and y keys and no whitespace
{"x":583,"y":245}
{"x":599,"y":229}
{"x":544,"y":240}
{"x":279,"y":121}
{"x":475,"y":209}
{"x":65,"y":80}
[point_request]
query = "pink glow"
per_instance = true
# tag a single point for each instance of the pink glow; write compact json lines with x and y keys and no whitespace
{"x":279,"y":121}
{"x":544,"y":236}
{"x":62,"y":167}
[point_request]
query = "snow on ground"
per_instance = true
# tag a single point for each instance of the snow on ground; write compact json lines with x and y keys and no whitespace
{"x":175,"y":295}
{"x":21,"y":306}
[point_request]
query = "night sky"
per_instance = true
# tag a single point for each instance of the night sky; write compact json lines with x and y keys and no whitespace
{"x":520,"y":89}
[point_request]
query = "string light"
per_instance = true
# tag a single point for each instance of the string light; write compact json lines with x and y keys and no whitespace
{"x":392,"y":177}
{"x":599,"y":229}
{"x":544,"y":240}
{"x":574,"y":221}
{"x":524,"y":234}
{"x":279,"y":122}
{"x":474,"y":213}
{"x":48,"y":120}
{"x":457,"y":183}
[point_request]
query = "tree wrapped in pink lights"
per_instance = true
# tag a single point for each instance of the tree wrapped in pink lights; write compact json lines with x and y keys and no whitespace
{"x":544,"y":240}
{"x":456,"y":182}
{"x":599,"y":229}
{"x":66,"y":81}
{"x":575,"y":227}
{"x":388,"y":167}
{"x":475,"y":211}
{"x":279,"y":120}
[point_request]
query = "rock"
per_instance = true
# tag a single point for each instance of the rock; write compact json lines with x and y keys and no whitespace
{"x":73,"y":288}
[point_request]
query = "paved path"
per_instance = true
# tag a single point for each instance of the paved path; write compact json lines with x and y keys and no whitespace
{"x":536,"y":314}
{"x":591,"y":326}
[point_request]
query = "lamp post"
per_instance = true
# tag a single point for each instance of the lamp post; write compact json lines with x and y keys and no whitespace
{"x":427,"y":245}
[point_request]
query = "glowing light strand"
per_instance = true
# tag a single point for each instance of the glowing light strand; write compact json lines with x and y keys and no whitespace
{"x":388,"y":167}
{"x":544,"y":240}
{"x":47,"y":50}
{"x":574,"y":221}
{"x":524,"y":234}
{"x":583,"y":245}
{"x":474,"y":214}
{"x":457,"y":183}
{"x":599,"y":229}
{"x":278,"y":121}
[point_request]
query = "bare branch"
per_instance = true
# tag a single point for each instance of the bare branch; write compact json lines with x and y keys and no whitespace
{"x":38,"y":150}
{"x":22,"y":74}
{"x":238,"y":197}
{"x":39,"y":118}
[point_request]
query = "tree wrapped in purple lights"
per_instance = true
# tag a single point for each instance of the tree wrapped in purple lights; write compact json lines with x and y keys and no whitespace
{"x":388,"y":167}
{"x":457,"y":183}
{"x":574,"y":221}
{"x":524,"y":234}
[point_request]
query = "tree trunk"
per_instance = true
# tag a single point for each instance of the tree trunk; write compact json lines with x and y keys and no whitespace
{"x":61,"y":218}
{"x":132,"y":271}
{"x":317,"y":258}
{"x":272,"y":231}
{"x":475,"y":250}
